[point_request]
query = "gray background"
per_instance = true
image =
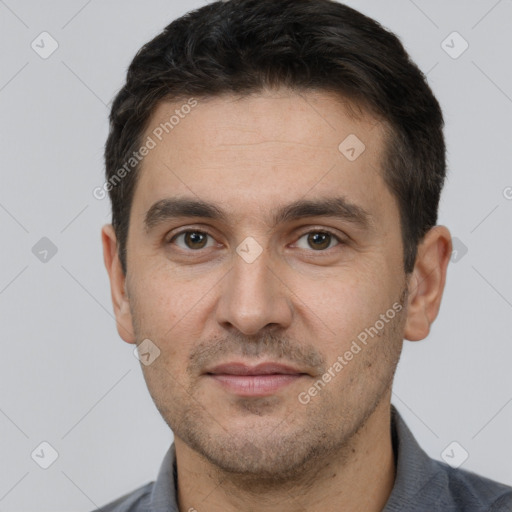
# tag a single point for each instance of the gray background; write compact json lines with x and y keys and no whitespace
{"x":66,"y":376}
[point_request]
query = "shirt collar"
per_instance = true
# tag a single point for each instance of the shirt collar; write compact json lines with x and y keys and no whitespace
{"x":164,"y":493}
{"x":414,"y":468}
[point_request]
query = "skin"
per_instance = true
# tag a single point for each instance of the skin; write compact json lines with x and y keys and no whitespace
{"x":296,"y":303}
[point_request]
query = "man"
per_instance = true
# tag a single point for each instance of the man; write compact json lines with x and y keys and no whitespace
{"x":275,"y":170}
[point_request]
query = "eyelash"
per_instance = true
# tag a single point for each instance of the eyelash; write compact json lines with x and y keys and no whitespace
{"x":200,"y":231}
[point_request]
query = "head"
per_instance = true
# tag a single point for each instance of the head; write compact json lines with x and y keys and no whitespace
{"x":283,"y":163}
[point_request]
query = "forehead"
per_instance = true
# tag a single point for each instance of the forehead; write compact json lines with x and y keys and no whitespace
{"x":258,"y":151}
{"x":315,"y":118}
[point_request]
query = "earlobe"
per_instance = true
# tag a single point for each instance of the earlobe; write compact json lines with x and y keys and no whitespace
{"x":120,"y":300}
{"x":427,"y":281}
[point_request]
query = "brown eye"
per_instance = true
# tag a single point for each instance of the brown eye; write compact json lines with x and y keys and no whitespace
{"x":318,"y":240}
{"x":194,"y":240}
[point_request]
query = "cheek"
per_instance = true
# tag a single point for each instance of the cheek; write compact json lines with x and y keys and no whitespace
{"x":170,"y":310}
{"x":344,"y":304}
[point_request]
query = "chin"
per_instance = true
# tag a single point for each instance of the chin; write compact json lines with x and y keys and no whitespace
{"x":262,"y":454}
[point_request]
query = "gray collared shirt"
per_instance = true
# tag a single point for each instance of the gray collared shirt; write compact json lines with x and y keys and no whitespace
{"x":422,"y":484}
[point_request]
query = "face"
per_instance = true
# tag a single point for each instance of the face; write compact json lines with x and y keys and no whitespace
{"x":265,"y":264}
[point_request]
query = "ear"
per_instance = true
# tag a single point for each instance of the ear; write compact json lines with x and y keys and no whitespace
{"x":117,"y":278}
{"x":426,"y":284}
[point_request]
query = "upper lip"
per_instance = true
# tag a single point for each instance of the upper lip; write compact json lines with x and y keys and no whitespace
{"x":235,"y":368}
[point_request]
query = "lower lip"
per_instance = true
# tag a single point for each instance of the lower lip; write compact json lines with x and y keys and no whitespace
{"x":255,"y":385}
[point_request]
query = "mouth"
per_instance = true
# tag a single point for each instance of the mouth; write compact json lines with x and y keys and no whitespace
{"x":261,"y":380}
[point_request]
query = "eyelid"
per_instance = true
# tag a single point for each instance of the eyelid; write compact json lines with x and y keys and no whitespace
{"x":190,"y":228}
{"x":320,"y":229}
{"x":310,"y":229}
{"x":339,"y":239}
{"x":170,"y":238}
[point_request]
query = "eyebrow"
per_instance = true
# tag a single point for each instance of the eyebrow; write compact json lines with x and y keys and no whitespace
{"x":338,"y":207}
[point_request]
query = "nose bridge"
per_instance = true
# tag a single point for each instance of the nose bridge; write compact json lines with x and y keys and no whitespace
{"x":252,"y":296}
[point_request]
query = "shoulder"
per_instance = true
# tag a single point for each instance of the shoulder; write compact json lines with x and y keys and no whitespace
{"x":462,"y":490}
{"x":135,"y":501}
{"x":424,"y":484}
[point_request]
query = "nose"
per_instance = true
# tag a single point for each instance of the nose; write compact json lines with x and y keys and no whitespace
{"x":253,"y":297}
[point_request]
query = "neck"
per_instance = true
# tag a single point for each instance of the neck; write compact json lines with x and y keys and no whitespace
{"x":359,"y":477}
